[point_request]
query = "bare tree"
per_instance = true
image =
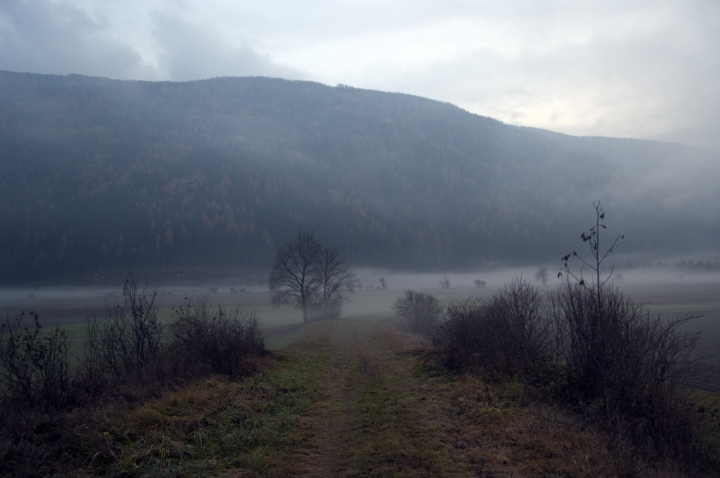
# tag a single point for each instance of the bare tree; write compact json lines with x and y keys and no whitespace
{"x":128,"y":339}
{"x":294,"y":277}
{"x":445,"y":282}
{"x":542,"y":275}
{"x":480,"y":283}
{"x":383,"y":283}
{"x":311,"y":275}
{"x":335,"y":280}
{"x":598,"y":256}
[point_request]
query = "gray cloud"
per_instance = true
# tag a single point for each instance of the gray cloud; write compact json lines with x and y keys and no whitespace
{"x":46,"y":37}
{"x":60,"y":38}
{"x":646,"y":68}
{"x":647,"y":73}
{"x":191,"y":52}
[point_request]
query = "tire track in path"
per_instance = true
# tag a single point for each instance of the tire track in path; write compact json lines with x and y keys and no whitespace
{"x":377,"y":413}
{"x":372,"y":418}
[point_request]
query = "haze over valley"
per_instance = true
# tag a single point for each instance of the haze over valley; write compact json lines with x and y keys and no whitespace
{"x":103,"y":176}
{"x":272,"y":238}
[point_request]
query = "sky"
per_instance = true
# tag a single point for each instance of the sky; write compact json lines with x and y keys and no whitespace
{"x":624,"y":68}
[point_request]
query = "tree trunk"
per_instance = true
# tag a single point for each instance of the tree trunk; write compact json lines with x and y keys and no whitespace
{"x":306,"y":317}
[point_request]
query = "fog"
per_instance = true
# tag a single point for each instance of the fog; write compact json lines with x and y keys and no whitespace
{"x":621,"y":276}
{"x":648,"y":282}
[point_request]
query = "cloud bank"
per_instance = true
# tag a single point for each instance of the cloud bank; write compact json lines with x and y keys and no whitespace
{"x":645,"y":69}
{"x":62,"y":38}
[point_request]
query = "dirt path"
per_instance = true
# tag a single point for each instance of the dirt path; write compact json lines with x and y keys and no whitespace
{"x":379,"y":414}
{"x":374,"y":417}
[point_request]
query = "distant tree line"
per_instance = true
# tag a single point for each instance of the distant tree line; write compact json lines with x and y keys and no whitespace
{"x":101,"y":175}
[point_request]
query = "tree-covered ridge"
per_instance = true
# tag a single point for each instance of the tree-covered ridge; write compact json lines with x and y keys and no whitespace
{"x":100,"y":174}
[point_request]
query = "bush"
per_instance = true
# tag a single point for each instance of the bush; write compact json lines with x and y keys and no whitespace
{"x":206,"y":340}
{"x":127,"y":357}
{"x":128,"y":340}
{"x":626,"y":366}
{"x":418,"y":312}
{"x":505,"y":337}
{"x":622,"y":364}
{"x":34,"y":367}
{"x":609,"y":359}
{"x":594,"y":349}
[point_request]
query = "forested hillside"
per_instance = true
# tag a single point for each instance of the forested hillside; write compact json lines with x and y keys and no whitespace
{"x":101,"y":175}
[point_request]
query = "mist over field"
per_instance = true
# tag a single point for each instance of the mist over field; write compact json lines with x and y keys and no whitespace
{"x":663,"y":287}
{"x":193,"y":170}
{"x":360,"y":238}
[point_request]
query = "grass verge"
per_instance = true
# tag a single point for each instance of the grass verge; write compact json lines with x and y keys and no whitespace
{"x":216,"y":426}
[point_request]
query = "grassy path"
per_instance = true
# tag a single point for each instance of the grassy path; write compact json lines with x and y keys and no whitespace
{"x":347,"y":398}
{"x":373,"y":417}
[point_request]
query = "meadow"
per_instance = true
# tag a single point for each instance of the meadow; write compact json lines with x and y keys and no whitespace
{"x":70,"y":307}
{"x":347,"y":398}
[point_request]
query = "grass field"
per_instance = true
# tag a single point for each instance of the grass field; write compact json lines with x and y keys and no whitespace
{"x":350,"y":398}
{"x":70,"y":308}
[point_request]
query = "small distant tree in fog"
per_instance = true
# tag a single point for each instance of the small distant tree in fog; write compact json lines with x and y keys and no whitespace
{"x":383,"y":283}
{"x":308,"y":273}
{"x":445,"y":282}
{"x":294,"y":277}
{"x":542,"y":275}
{"x":336,"y":278}
{"x":418,"y":312}
{"x":480,"y":283}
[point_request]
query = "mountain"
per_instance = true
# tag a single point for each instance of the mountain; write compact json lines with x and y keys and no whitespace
{"x":104,"y":175}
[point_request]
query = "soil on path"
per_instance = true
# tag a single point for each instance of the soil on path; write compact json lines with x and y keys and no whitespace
{"x":380,"y":414}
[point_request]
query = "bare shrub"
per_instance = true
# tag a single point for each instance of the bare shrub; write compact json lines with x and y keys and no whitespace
{"x":418,"y":312}
{"x":626,"y":366}
{"x":525,"y":329}
{"x":34,"y":365}
{"x":213,"y":340}
{"x":129,"y":337}
{"x":127,"y":358}
{"x":603,"y":356}
{"x":505,"y":337}
{"x":597,"y":351}
{"x":465,"y":335}
{"x":36,"y":391}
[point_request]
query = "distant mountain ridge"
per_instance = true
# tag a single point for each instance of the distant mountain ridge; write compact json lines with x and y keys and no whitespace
{"x":99,"y":175}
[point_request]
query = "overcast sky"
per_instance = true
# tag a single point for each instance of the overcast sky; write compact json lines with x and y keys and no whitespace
{"x":632,"y":68}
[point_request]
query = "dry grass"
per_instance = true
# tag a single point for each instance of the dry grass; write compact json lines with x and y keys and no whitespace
{"x":216,"y":426}
{"x":348,"y":398}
